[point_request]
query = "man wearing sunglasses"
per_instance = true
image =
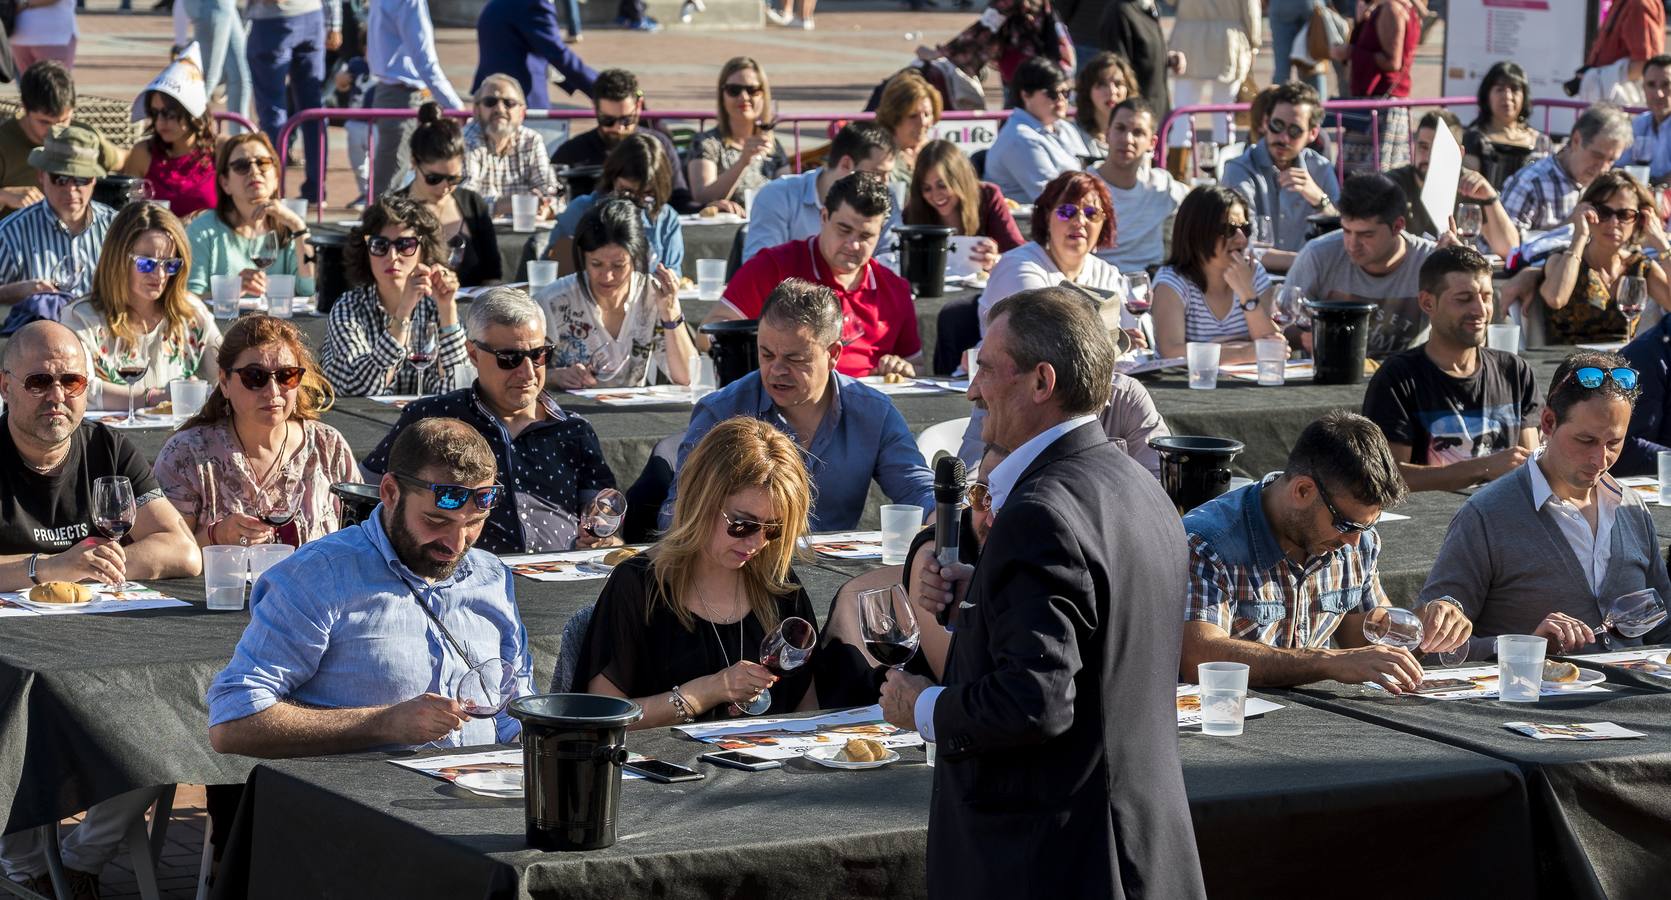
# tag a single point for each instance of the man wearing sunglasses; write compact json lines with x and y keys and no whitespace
{"x":407,"y":581}
{"x":1039,"y":141}
{"x":501,"y":157}
{"x":619,"y":104}
{"x":1281,"y":572}
{"x":47,"y":93}
{"x":35,"y":241}
{"x":1286,"y":179}
{"x":1545,"y":549}
{"x":549,"y":460}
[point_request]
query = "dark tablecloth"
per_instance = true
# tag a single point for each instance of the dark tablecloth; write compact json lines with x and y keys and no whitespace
{"x":1601,"y":810}
{"x":1303,"y":799}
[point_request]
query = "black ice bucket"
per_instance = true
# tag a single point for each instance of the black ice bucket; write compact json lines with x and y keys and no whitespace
{"x":573,"y":746}
{"x":1193,"y":469}
{"x":1339,"y":341}
{"x":113,"y":190}
{"x":330,"y":274}
{"x":358,"y":500}
{"x":922,"y":257}
{"x":734,"y":346}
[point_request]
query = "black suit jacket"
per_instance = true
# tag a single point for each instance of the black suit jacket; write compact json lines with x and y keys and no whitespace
{"x":1058,"y":772}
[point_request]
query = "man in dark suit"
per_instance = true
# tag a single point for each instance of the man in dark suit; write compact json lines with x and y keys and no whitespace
{"x":520,"y":38}
{"x":1057,"y":731}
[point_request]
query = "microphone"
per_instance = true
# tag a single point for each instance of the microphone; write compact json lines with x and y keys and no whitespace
{"x":949,"y":476}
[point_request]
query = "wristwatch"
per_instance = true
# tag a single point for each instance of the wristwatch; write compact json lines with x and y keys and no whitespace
{"x":1250,"y":304}
{"x":34,"y":578}
{"x":669,"y":326}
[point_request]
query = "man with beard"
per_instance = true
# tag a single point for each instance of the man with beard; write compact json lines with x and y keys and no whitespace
{"x":1145,"y":196}
{"x":49,"y":459}
{"x":1455,"y":412}
{"x":1282,"y":176}
{"x":618,"y":102}
{"x":1471,"y":187}
{"x":501,"y":157}
{"x":407,"y":582}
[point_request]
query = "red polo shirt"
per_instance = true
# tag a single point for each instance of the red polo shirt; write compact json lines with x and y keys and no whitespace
{"x":881,"y":316}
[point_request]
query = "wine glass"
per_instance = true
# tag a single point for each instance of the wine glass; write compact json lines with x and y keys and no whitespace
{"x":455,"y":249}
{"x":113,"y":508}
{"x":486,"y":689}
{"x":888,"y":625}
{"x":1137,"y":293}
{"x":1263,"y":238}
{"x":852,"y":330}
{"x":1206,"y":156}
{"x":133,"y":360}
{"x":1392,"y":626}
{"x":141,"y":191}
{"x":786,"y":648}
{"x":420,"y":351}
{"x":1290,"y":307}
{"x":1469,"y":220}
{"x":280,"y":506}
{"x":266,"y":250}
{"x":1632,"y":295}
{"x":604,"y":513}
{"x":69,"y":276}
{"x":1631,"y":615}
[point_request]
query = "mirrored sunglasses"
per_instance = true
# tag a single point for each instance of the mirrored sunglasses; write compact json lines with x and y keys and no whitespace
{"x":1592,"y":377}
{"x":739,"y":527}
{"x":455,"y":496}
{"x":1067,"y":211}
{"x":148,"y":265}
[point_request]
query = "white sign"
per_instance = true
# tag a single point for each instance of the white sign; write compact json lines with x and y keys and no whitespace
{"x":969,"y":134}
{"x":1546,"y":37}
{"x":1444,"y":169}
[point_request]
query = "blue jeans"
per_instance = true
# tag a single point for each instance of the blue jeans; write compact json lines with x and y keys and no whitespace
{"x":219,"y":32}
{"x":290,"y":48}
{"x":1287,"y":18}
{"x":570,"y":9}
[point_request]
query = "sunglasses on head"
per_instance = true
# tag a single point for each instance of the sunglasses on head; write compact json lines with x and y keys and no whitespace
{"x":510,"y":359}
{"x":454,"y":496}
{"x":737,"y":90}
{"x":244,"y":165}
{"x":493,"y":102}
{"x":71,"y":180}
{"x":1340,"y":522}
{"x":434,"y":179}
{"x":980,"y":497}
{"x":40,"y":383}
{"x":1592,"y":377}
{"x":626,"y":121}
{"x":739,"y":527}
{"x":1277,"y":126}
{"x":1067,"y":211}
{"x":1625,"y":216}
{"x":378,"y":245}
{"x":148,"y":265}
{"x":1231,"y":230}
{"x":255,"y":377}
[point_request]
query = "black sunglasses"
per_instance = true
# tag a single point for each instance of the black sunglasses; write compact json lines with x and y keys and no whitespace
{"x":737,"y":90}
{"x":493,"y":102}
{"x":510,"y":359}
{"x":1341,"y":523}
{"x":378,"y":245}
{"x":436,"y":178}
{"x":41,"y":382}
{"x":1057,"y":93}
{"x":1593,"y":377}
{"x":1277,"y":126}
{"x":255,"y":377}
{"x":626,"y":121}
{"x":1625,"y":216}
{"x":147,"y":265}
{"x":1231,"y":230}
{"x":243,"y":166}
{"x":454,"y":496}
{"x":71,"y":180}
{"x":742,"y":528}
{"x":164,"y":113}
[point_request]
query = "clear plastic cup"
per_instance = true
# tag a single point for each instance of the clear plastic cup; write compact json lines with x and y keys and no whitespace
{"x":1273,"y":361}
{"x":1505,"y":337}
{"x":225,"y":575}
{"x":1642,"y":174}
{"x":1203,"y":365}
{"x":224,"y":291}
{"x":1223,"y":697}
{"x":264,"y":556}
{"x":1520,"y":667}
{"x":281,"y":293}
{"x":1665,"y":478}
{"x":704,"y":380}
{"x":748,"y":199}
{"x":525,"y":208}
{"x":186,"y":395}
{"x":900,"y":522}
{"x":541,"y":272}
{"x":710,"y":278}
{"x":297,"y":205}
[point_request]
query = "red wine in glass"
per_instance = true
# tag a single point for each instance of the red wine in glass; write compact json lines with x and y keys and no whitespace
{"x":891,"y":654}
{"x":888,"y":625}
{"x":604,"y":513}
{"x":786,"y":648}
{"x":278,"y":518}
{"x":131,"y":371}
{"x":115,"y":529}
{"x":485,"y":690}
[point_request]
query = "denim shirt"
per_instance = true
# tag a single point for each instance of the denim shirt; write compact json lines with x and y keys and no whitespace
{"x":1253,"y":175}
{"x":337,"y":625}
{"x":665,"y":233}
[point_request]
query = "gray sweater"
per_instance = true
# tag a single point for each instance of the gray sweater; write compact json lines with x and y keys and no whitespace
{"x":1510,"y":567}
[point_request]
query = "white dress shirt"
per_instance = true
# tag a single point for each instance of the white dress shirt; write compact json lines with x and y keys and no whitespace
{"x":1593,"y":548}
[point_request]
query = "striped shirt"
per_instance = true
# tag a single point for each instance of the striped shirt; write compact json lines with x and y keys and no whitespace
{"x":362,"y":359}
{"x":34,"y":241}
{"x":524,"y":170}
{"x":1541,"y":196}
{"x":1199,"y":322}
{"x":1241,"y":580}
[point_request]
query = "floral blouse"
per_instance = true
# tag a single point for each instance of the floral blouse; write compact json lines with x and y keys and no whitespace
{"x":169,"y":357}
{"x":629,"y":359}
{"x":210,"y":454}
{"x":1591,"y":313}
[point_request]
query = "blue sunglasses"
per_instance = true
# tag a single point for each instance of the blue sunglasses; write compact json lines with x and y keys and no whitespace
{"x":454,"y":496}
{"x":1593,"y":377}
{"x":148,"y":265}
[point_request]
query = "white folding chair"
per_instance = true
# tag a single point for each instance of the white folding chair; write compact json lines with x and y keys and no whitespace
{"x":942,"y":439}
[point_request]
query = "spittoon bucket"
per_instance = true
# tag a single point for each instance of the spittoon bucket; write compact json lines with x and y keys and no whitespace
{"x":330,"y":272}
{"x":112,"y":190}
{"x":922,"y":257}
{"x":1339,"y":341}
{"x":1194,"y":469}
{"x":358,"y":500}
{"x":733,"y":345}
{"x":573,"y":746}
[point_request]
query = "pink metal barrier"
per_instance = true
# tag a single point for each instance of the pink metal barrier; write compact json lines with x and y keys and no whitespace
{"x":234,"y":118}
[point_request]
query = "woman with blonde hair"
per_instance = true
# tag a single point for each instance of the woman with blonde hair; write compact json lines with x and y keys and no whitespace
{"x":678,"y":628}
{"x":739,"y":153}
{"x":910,"y":108}
{"x":945,"y":191}
{"x":257,"y":453}
{"x":139,"y":314}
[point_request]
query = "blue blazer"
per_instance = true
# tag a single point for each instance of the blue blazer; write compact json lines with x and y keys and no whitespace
{"x":519,"y":38}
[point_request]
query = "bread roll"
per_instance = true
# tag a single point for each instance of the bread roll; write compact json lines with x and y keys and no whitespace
{"x":619,"y":555}
{"x":1559,"y":672}
{"x":64,"y":592}
{"x":861,"y":750}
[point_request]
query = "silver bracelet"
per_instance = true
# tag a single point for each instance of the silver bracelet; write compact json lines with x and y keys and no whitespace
{"x":681,"y":706}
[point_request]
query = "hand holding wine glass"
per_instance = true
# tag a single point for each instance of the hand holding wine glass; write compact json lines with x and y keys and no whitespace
{"x":1392,"y":626}
{"x":786,"y":648}
{"x":603,"y":514}
{"x":114,"y":511}
{"x":1137,"y":293}
{"x":420,"y":351}
{"x":486,"y":689}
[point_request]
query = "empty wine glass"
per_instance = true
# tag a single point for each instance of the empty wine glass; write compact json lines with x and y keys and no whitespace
{"x":1469,"y":220}
{"x":1290,"y":308}
{"x":1137,"y":293}
{"x":852,"y":330}
{"x":455,"y":249}
{"x":786,"y":648}
{"x":1263,"y":239}
{"x":420,"y":351}
{"x":486,"y":689}
{"x":114,"y":511}
{"x":888,"y":625}
{"x":1392,"y":626}
{"x":604,"y":513}
{"x":1632,"y":295}
{"x":69,"y":276}
{"x":133,"y":360}
{"x":1631,"y":615}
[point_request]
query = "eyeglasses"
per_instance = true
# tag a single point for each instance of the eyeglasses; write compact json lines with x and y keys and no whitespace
{"x":255,"y":377}
{"x":1231,"y":230}
{"x":378,"y":245}
{"x":980,"y":497}
{"x":148,"y":265}
{"x":1057,"y":93}
{"x":70,"y":181}
{"x":1592,"y":377}
{"x":158,"y":115}
{"x":626,"y":121}
{"x":1067,"y":211}
{"x":493,"y":102}
{"x":742,"y":528}
{"x":434,"y":179}
{"x":1625,"y":216}
{"x":510,"y":359}
{"x":1277,"y":126}
{"x":1341,"y":523}
{"x":243,"y":166}
{"x":41,"y":382}
{"x":737,"y":90}
{"x":454,"y":496}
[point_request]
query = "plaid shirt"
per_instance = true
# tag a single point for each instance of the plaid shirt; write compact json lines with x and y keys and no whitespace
{"x":524,"y":170}
{"x":362,"y":359}
{"x":1242,"y":581}
{"x":1540,"y":196}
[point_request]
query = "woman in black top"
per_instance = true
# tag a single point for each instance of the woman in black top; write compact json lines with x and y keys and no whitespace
{"x":678,"y":628}
{"x":1499,"y":142}
{"x":466,"y":222}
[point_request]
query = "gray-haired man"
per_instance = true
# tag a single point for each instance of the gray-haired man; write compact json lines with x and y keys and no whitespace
{"x":549,"y":460}
{"x":1543,"y":195}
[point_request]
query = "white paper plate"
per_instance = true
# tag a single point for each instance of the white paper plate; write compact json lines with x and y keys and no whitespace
{"x":1586,"y":678}
{"x":827,"y":756}
{"x":505,"y":783}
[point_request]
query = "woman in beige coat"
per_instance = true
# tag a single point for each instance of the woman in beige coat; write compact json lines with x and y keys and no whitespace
{"x":1219,"y":38}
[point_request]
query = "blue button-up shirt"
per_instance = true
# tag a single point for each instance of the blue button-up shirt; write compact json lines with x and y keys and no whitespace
{"x":1650,"y":146}
{"x":790,"y":209}
{"x":665,"y":234}
{"x":337,"y":625}
{"x":400,"y":48}
{"x":1253,"y":175}
{"x":1027,"y":155}
{"x":862,"y":437}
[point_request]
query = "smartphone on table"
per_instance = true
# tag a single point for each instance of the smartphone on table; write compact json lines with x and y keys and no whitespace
{"x":737,"y":759}
{"x":661,"y":771}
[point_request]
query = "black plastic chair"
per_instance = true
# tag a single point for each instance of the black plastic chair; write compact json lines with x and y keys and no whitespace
{"x":957,"y":328}
{"x":734,"y":259}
